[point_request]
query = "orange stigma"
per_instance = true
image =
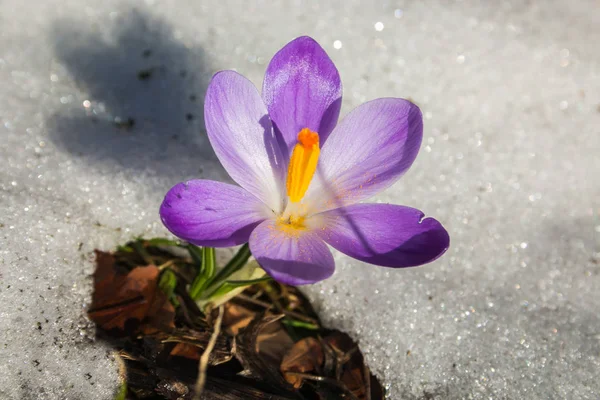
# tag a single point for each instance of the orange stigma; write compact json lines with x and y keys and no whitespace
{"x":308,"y":138}
{"x":303,"y":164}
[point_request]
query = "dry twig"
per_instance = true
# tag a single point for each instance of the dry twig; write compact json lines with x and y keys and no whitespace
{"x":280,"y":309}
{"x":203,"y":365}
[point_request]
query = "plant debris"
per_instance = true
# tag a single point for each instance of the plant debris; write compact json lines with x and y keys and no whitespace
{"x":129,"y":296}
{"x":257,"y":339}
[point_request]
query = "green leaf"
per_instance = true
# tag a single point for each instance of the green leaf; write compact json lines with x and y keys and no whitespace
{"x":235,"y":264}
{"x":168,"y":282}
{"x":221,"y":291}
{"x":141,"y":250}
{"x":125,"y":249}
{"x":205,"y":274}
{"x":122,"y":393}
{"x":196,"y":254}
{"x":161,"y":242}
{"x":208,"y":262}
{"x":300,"y":324}
{"x":228,"y":286}
{"x":247,"y":282}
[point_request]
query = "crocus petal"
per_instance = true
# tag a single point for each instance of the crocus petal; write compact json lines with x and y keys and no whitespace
{"x":242,"y":136}
{"x":208,"y":213}
{"x":368,"y":151}
{"x":302,"y":89}
{"x":295,"y":258}
{"x":384,"y":234}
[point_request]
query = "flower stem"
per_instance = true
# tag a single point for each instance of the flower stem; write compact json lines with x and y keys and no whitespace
{"x":234,"y":265}
{"x":205,"y":274}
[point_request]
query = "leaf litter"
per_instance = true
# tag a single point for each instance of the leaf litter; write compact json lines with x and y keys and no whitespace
{"x":184,"y":328}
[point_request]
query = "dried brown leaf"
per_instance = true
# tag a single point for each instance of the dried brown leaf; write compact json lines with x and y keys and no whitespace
{"x":120,"y":296}
{"x":236,"y":318}
{"x":255,"y":365}
{"x":191,"y":344}
{"x":273,"y":342}
{"x":306,"y":355}
{"x":187,"y":350}
{"x":349,"y":367}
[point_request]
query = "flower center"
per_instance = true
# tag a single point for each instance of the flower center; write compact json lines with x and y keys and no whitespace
{"x":303,"y":164}
{"x":291,"y":225}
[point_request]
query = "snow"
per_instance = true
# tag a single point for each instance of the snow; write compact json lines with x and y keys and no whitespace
{"x":101,"y":113}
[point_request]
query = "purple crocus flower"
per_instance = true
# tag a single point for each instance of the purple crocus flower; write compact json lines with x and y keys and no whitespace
{"x":301,"y":177}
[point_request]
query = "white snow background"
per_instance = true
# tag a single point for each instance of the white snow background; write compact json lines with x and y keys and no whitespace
{"x":510,"y":92}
